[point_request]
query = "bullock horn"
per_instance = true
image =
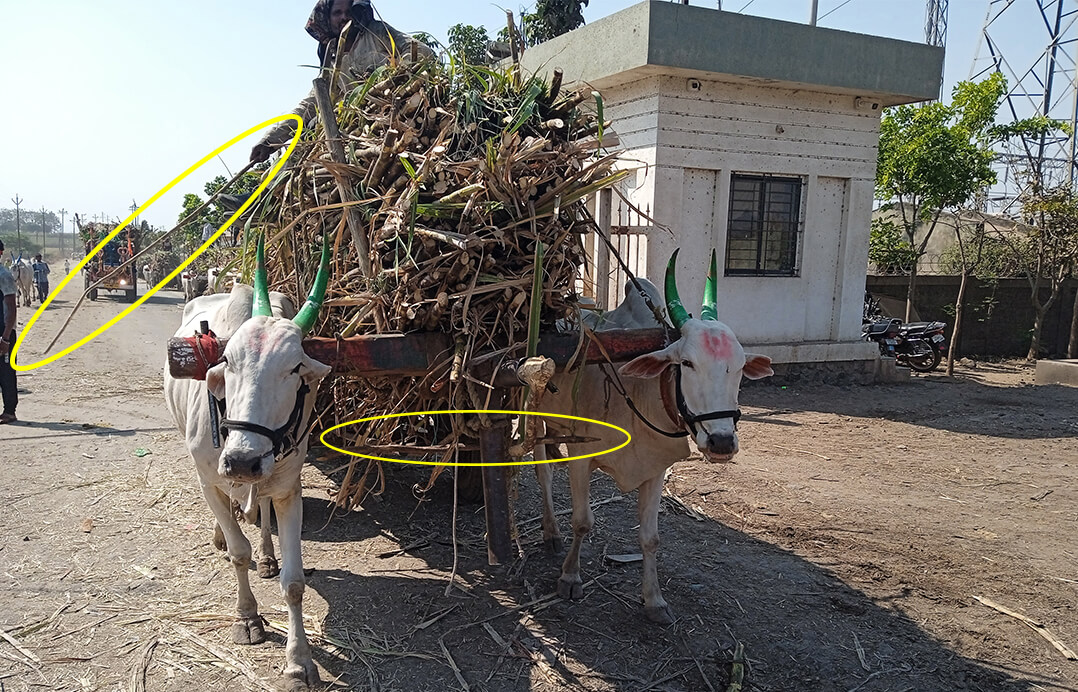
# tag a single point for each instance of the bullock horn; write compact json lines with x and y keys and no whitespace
{"x":308,"y":314}
{"x":674,"y":308}
{"x":261,"y":305}
{"x":710,"y":311}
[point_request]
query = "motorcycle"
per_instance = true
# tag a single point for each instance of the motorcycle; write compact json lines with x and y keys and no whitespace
{"x":922,"y":334}
{"x":917,"y":345}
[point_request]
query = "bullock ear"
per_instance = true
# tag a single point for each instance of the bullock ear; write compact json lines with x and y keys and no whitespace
{"x":215,"y":380}
{"x":315,"y":371}
{"x":647,"y":366}
{"x":757,"y":366}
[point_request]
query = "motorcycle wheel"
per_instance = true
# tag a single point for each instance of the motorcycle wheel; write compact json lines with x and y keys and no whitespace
{"x":925,"y":362}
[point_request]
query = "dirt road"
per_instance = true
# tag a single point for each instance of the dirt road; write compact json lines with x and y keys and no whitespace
{"x":843,"y":550}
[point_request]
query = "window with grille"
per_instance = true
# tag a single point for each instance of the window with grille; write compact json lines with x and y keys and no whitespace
{"x":765,"y":226}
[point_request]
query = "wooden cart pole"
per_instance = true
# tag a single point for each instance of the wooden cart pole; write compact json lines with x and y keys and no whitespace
{"x":494,"y":448}
{"x":336,"y":150}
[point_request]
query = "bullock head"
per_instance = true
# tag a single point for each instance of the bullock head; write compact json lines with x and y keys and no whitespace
{"x":706,"y":365}
{"x":267,"y":382}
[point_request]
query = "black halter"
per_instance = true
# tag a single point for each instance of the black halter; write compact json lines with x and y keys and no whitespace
{"x":691,"y":419}
{"x":286,"y":438}
{"x":687,"y":416}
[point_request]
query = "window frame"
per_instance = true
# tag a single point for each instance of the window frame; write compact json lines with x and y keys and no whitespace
{"x":795,"y":227}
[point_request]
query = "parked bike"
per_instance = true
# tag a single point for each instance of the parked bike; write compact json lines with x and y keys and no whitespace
{"x":917,"y":345}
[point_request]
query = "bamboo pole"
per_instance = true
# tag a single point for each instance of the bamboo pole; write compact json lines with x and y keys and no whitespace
{"x":336,"y":151}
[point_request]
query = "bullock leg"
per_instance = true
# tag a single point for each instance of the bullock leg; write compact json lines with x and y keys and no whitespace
{"x":544,"y":473}
{"x":299,"y":666}
{"x":649,"y":495}
{"x":267,"y":561}
{"x":219,"y":538}
{"x":248,"y":629}
{"x":569,"y":584}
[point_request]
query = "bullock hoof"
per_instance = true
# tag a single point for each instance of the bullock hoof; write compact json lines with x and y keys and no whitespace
{"x":570,"y":589}
{"x":267,"y":568}
{"x":249,"y":631}
{"x":554,"y":545}
{"x":661,"y":615}
{"x":219,"y":539}
{"x":301,"y":676}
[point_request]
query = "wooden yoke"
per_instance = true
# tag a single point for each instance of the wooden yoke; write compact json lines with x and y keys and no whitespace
{"x":416,"y":354}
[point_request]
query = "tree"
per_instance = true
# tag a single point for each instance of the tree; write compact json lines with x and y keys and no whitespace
{"x":931,"y":159}
{"x":191,"y":232}
{"x":887,"y":248}
{"x":469,"y":43}
{"x":551,"y":18}
{"x":1050,"y":247}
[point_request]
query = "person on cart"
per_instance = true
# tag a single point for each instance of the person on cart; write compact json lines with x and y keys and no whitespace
{"x":369,"y":43}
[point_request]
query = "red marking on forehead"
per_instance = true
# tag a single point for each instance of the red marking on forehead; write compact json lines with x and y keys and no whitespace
{"x":718,"y":346}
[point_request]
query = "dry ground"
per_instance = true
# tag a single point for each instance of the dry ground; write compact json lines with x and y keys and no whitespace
{"x":843,"y":550}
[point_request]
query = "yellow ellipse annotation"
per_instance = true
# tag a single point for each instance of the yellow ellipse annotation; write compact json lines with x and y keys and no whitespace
{"x":628,"y":438}
{"x":78,"y":267}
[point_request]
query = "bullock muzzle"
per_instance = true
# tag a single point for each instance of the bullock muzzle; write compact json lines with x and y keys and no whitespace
{"x":721,"y":447}
{"x":243,"y":466}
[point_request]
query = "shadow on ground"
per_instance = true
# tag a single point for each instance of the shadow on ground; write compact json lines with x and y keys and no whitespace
{"x":803,"y":629}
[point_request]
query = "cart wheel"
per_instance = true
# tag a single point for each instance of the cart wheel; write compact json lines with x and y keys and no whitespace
{"x":131,"y":296}
{"x":93,"y":294}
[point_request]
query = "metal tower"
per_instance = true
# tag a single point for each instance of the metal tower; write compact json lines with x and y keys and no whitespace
{"x":1032,"y":42}
{"x":936,"y":22}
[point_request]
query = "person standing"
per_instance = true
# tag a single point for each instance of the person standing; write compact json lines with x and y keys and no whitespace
{"x":41,"y":277}
{"x":8,"y":385}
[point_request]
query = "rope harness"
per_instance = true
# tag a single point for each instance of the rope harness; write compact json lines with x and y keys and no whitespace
{"x":285,"y":439}
{"x":612,"y":378}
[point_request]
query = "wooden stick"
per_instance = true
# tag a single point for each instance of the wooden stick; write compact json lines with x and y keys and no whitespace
{"x":19,"y":647}
{"x":336,"y":151}
{"x":1033,"y":624}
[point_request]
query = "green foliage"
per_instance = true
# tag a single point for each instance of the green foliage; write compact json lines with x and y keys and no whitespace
{"x":551,"y":18}
{"x":469,"y":43}
{"x":928,"y":160}
{"x":888,"y":249}
{"x":190,"y":234}
{"x":997,"y":260}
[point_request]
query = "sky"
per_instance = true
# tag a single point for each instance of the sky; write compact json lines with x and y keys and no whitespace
{"x":105,"y":102}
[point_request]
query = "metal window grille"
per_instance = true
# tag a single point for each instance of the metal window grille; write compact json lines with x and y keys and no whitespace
{"x":763,"y":235}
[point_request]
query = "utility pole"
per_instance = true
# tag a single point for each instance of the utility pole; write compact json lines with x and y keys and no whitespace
{"x":18,"y":228}
{"x":42,"y":233}
{"x":814,"y":12}
{"x":60,"y":242}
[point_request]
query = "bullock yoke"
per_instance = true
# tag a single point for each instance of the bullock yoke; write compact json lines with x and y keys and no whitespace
{"x":414,"y":355}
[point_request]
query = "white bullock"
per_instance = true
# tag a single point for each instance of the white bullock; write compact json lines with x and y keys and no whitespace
{"x":689,"y":388}
{"x":193,"y":284}
{"x":266,"y":387}
{"x":24,"y":281}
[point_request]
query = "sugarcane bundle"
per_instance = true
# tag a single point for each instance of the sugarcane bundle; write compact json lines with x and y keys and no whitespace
{"x":465,"y":182}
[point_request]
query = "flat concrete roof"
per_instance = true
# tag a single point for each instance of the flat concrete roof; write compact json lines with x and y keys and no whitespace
{"x":662,"y":37}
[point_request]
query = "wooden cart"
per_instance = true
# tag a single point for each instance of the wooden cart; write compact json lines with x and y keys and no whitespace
{"x":414,"y":355}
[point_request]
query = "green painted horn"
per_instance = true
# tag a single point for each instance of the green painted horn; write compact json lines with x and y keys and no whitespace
{"x":674,"y":308}
{"x":308,"y":314}
{"x":261,"y":305}
{"x":710,"y":311}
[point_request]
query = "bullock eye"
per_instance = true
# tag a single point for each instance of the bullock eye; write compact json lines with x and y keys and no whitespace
{"x":295,"y":370}
{"x":687,"y":363}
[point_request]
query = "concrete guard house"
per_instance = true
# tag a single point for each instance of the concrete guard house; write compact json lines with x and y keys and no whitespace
{"x":754,"y":136}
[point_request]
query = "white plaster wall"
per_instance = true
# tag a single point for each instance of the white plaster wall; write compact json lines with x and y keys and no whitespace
{"x":704,"y":136}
